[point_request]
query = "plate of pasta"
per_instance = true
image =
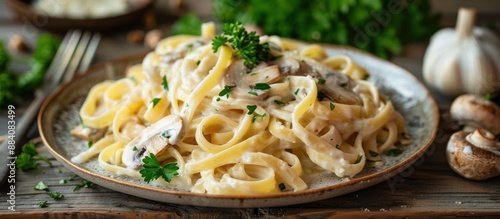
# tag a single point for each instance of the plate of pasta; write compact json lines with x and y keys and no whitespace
{"x":240,"y":120}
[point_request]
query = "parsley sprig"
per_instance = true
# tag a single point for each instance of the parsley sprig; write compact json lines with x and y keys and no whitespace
{"x":152,"y":169}
{"x":29,"y":157}
{"x":246,"y":44}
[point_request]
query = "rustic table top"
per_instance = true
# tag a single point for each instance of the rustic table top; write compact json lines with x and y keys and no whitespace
{"x":428,"y":188}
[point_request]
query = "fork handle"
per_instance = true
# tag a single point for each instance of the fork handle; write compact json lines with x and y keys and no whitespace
{"x":22,"y":128}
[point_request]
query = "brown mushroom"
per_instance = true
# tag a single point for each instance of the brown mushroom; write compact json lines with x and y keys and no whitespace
{"x":476,"y":112}
{"x":88,"y":134}
{"x":152,"y":38}
{"x":474,"y":155}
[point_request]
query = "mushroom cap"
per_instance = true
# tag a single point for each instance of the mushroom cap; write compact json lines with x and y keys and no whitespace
{"x":477,"y":112}
{"x":470,"y":161}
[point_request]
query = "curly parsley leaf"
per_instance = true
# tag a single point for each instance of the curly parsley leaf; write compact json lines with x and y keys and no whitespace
{"x":247,"y":45}
{"x":43,"y":204}
{"x":56,"y":195}
{"x":40,"y":186}
{"x":251,"y":109}
{"x":152,"y":169}
{"x":29,"y":157}
{"x":226,"y":91}
{"x":164,"y":83}
{"x":85,"y":184}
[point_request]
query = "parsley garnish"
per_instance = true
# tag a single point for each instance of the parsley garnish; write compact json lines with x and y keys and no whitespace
{"x":365,"y":77}
{"x":337,"y":146}
{"x":404,"y":136}
{"x":164,"y":83}
{"x":155,"y":101}
{"x":373,"y":153}
{"x":256,"y":116}
{"x":89,"y":144}
{"x":85,"y":184}
{"x":56,"y":195}
{"x":43,"y":204}
{"x":135,"y":148}
{"x":261,"y":86}
{"x":251,"y":109}
{"x":282,"y":186}
{"x":29,"y":157}
{"x":226,"y":91}
{"x":252,"y":92}
{"x":62,"y":181}
{"x":279,"y":102}
{"x":332,"y":106}
{"x":41,"y":186}
{"x":72,"y":178}
{"x":393,"y":152}
{"x":359,"y":159}
{"x":296,"y":91}
{"x":321,"y":81}
{"x":246,"y":44}
{"x":198,"y":62}
{"x":152,"y":169}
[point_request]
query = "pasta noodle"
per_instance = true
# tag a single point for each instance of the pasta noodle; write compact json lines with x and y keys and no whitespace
{"x":235,"y":130}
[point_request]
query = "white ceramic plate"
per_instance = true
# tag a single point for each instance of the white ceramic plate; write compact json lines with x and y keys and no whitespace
{"x":59,"y":114}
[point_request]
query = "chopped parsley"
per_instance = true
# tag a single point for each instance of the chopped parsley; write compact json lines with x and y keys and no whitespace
{"x":296,"y":91}
{"x":251,"y":109}
{"x":337,"y":146}
{"x":85,"y":184}
{"x":279,"y":102}
{"x":29,"y":157}
{"x":252,"y":92}
{"x":164,"y":83}
{"x":393,"y":152}
{"x":321,"y":81}
{"x":332,"y":106}
{"x":62,"y":181}
{"x":365,"y":77}
{"x":40,"y":186}
{"x":256,"y":116}
{"x":152,"y":169}
{"x":226,"y":91}
{"x":89,"y":144}
{"x":56,"y":195}
{"x":134,"y":148}
{"x":373,"y":153}
{"x":282,"y":186}
{"x":155,"y":101}
{"x":43,"y":204}
{"x":261,"y":86}
{"x":198,"y":62}
{"x":359,"y":159}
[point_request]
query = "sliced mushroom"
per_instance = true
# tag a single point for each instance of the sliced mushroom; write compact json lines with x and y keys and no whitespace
{"x":88,"y":134}
{"x":474,"y":155}
{"x":244,"y":79}
{"x":153,"y":139}
{"x":476,"y":112}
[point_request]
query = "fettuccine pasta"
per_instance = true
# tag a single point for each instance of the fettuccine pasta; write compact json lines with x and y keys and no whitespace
{"x":232,"y":129}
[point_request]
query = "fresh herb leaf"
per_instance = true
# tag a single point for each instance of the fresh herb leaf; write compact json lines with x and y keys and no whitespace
{"x":282,"y":186}
{"x":84,"y":184}
{"x":56,"y":195}
{"x":135,"y":148}
{"x":251,"y":109}
{"x":252,"y":92}
{"x":155,"y":101}
{"x":394,"y":152}
{"x":261,"y":86}
{"x":164,"y":83}
{"x":226,"y":91}
{"x":43,"y":204}
{"x":256,"y":116}
{"x":59,"y":170}
{"x":198,"y":62}
{"x":321,"y":81}
{"x":404,"y":136}
{"x":296,"y":91}
{"x":365,"y":77}
{"x":279,"y":102}
{"x":247,"y":45}
{"x":89,"y":144}
{"x":359,"y":159}
{"x":373,"y":161}
{"x":373,"y":153}
{"x":332,"y":106}
{"x":41,"y":186}
{"x":72,"y":178}
{"x":152,"y":169}
{"x":29,"y":157}
{"x":62,"y":181}
{"x":337,"y":146}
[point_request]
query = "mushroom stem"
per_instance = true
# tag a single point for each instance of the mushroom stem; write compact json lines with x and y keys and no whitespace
{"x":465,"y":23}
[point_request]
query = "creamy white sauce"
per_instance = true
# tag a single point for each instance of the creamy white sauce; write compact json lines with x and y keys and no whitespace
{"x":467,"y":150}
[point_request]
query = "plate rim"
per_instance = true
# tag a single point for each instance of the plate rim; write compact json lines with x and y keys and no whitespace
{"x":248,"y":201}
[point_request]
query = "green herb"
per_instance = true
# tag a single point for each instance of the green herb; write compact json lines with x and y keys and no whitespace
{"x":29,"y":157}
{"x":43,"y":204}
{"x":218,"y":99}
{"x":279,"y":102}
{"x":56,"y":195}
{"x":59,"y":170}
{"x":282,"y":186}
{"x":256,"y":116}
{"x":41,"y":186}
{"x":321,"y":81}
{"x":296,"y":91}
{"x":81,"y":122}
{"x":8,"y":88}
{"x":373,"y":153}
{"x":373,"y":161}
{"x":84,"y":184}
{"x":261,"y":86}
{"x":155,"y":101}
{"x":252,"y":92}
{"x":378,"y":26}
{"x":365,"y":77}
{"x":89,"y":144}
{"x":332,"y":106}
{"x":359,"y":159}
{"x":152,"y":169}
{"x":62,"y":181}
{"x":490,"y":96}
{"x":135,"y":148}
{"x":72,"y":178}
{"x":344,"y":87}
{"x":198,"y":62}
{"x":251,"y":109}
{"x":394,"y":152}
{"x":337,"y":146}
{"x":164,"y":83}
{"x":247,"y":45}
{"x":187,"y":24}
{"x":405,"y":136}
{"x":226,"y":91}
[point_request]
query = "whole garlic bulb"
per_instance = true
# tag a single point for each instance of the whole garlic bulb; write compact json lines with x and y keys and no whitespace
{"x":463,"y":60}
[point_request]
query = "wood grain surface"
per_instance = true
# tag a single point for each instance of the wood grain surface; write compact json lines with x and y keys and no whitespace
{"x":427,"y":189}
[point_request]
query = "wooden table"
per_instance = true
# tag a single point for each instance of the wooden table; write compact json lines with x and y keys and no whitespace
{"x":427,"y":189}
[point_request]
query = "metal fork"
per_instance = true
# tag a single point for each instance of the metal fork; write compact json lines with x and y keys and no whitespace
{"x":74,"y":55}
